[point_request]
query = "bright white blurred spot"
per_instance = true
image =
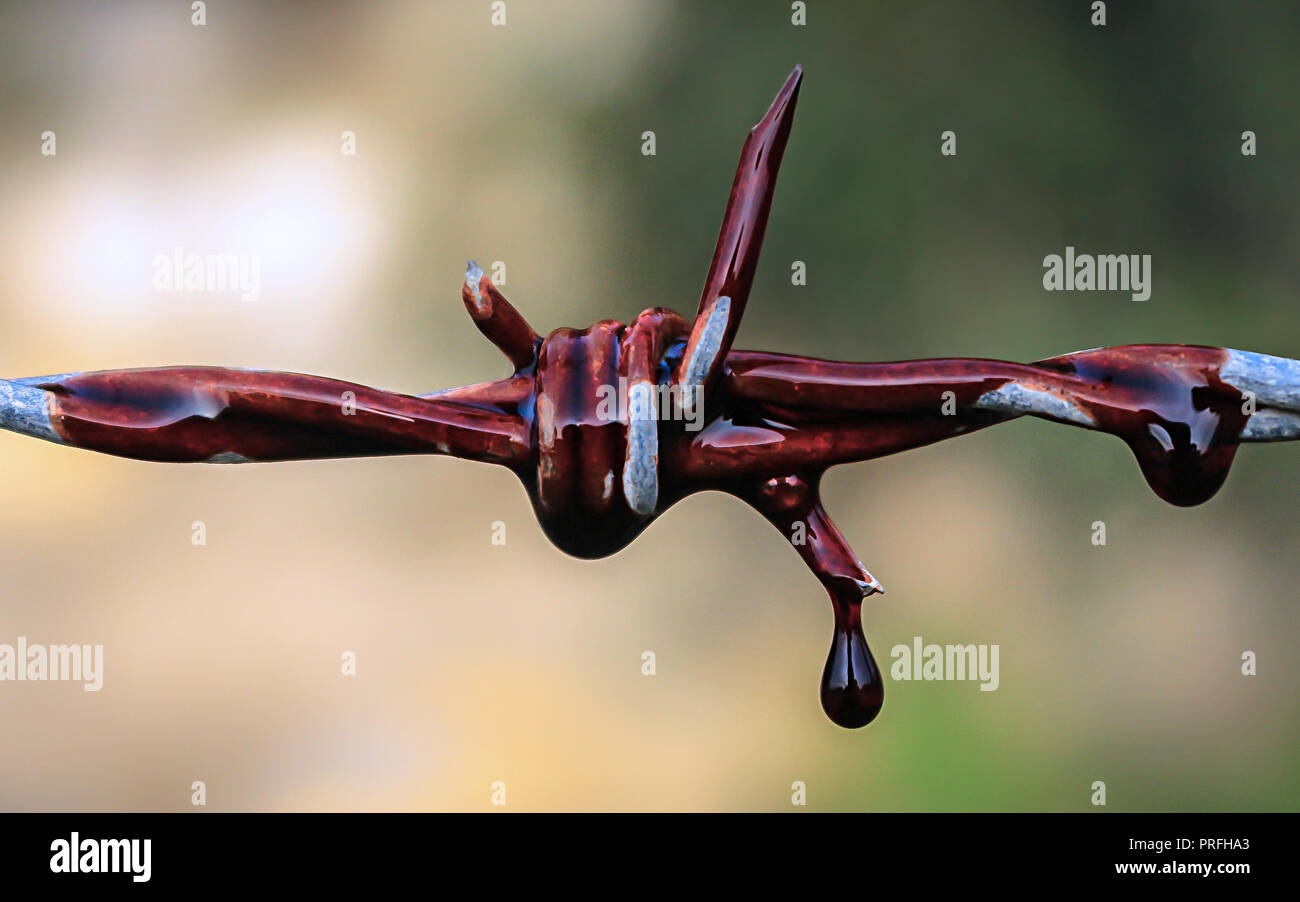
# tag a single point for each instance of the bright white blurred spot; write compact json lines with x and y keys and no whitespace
{"x":298,"y":210}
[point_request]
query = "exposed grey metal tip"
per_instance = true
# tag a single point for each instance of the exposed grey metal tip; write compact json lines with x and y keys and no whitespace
{"x":229,"y":457}
{"x":24,"y":408}
{"x":472,"y":277}
{"x":1274,"y":381}
{"x":1270,"y":425}
{"x":1016,"y":398}
{"x":871,"y":587}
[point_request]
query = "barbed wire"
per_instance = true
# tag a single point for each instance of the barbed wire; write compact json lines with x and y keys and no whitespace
{"x":608,"y":427}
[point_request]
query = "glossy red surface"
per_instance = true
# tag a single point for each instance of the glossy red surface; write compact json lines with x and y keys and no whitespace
{"x":186,"y":414}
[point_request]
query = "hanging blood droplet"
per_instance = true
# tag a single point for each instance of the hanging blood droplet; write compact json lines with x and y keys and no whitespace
{"x":1170,"y":406}
{"x":852,"y":687}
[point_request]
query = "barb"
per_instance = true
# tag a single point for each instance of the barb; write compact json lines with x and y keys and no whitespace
{"x":735,"y":259}
{"x":497,"y":319}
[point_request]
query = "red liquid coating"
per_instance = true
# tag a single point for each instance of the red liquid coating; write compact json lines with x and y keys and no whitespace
{"x":186,"y":414}
{"x":1169,"y":405}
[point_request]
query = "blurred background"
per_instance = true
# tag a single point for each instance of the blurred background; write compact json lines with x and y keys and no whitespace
{"x":522,"y":144}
